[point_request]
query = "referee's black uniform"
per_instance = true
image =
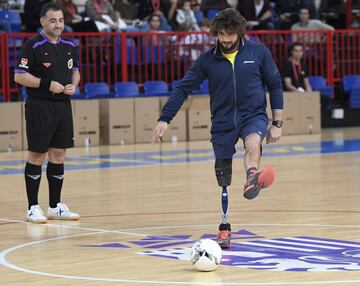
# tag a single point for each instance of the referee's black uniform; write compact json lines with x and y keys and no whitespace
{"x":48,"y":116}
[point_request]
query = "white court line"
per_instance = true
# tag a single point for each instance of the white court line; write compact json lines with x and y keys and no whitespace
{"x":325,"y":242}
{"x":301,"y":244}
{"x":5,"y":252}
{"x":278,"y":246}
{"x":77,"y":227}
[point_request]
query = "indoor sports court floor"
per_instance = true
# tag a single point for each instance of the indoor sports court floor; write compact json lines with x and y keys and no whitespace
{"x":143,"y":206}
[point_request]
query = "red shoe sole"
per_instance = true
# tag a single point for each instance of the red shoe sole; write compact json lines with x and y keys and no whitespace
{"x":265,"y":179}
{"x":267,"y":176}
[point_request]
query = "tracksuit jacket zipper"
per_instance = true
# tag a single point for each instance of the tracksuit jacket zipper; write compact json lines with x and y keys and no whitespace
{"x":235,"y":101}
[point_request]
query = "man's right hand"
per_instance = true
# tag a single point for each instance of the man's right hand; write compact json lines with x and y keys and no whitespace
{"x":159,"y":132}
{"x":56,"y":87}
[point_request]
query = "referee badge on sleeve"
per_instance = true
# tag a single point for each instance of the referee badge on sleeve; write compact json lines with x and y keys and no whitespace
{"x":23,"y":63}
{"x":70,"y":64}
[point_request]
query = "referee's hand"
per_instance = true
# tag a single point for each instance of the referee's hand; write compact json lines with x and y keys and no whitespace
{"x":69,"y":89}
{"x":56,"y":87}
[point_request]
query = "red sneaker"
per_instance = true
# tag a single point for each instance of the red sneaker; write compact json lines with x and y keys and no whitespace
{"x":223,"y":238}
{"x":259,"y":180}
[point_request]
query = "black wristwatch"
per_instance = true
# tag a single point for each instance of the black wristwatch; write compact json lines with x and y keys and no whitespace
{"x":278,"y":123}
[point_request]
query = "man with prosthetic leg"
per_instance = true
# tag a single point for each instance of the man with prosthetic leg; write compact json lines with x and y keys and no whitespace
{"x":239,"y":72}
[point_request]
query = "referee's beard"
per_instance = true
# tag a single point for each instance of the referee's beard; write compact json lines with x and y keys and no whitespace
{"x":56,"y":32}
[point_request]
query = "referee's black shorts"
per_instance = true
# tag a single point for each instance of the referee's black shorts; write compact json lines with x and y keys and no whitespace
{"x":48,"y":124}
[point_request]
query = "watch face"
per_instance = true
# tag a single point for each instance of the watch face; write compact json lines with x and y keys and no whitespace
{"x":278,"y":123}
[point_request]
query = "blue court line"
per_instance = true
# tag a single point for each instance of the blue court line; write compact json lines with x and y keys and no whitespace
{"x":135,"y":159}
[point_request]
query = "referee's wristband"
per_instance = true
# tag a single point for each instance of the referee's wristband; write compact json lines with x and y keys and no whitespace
{"x":45,"y":83}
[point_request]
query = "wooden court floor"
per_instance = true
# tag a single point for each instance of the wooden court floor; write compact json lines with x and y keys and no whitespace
{"x":142,"y":207}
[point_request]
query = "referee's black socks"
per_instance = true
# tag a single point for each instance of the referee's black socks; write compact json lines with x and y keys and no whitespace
{"x":32,"y":182}
{"x":55,"y":176}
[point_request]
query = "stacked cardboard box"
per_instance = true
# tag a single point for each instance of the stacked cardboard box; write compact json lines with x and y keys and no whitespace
{"x":117,"y":121}
{"x":11,"y":126}
{"x":86,"y":122}
{"x":147,"y":111}
{"x":302,"y":113}
{"x":177,"y":129}
{"x":199,"y":118}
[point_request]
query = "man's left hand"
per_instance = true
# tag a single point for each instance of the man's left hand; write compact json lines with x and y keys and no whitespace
{"x":273,"y":135}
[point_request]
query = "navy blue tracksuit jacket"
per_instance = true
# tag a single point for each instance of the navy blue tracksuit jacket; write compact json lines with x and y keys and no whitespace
{"x":236,"y":93}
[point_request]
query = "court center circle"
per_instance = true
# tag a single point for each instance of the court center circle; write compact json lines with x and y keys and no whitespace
{"x":5,"y":252}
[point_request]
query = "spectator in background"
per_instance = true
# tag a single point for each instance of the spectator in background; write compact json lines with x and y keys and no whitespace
{"x":73,"y":21}
{"x":195,"y":5}
{"x":70,"y":11}
{"x":334,"y":13}
{"x":128,"y":11}
{"x":189,"y":46}
{"x":296,"y":73}
{"x":104,"y":16}
{"x":257,"y":13}
{"x":154,"y":22}
{"x":166,"y":8}
{"x":207,"y":5}
{"x":205,"y":25}
{"x":154,"y":39}
{"x":32,"y":10}
{"x":308,"y":24}
{"x":185,"y":16}
{"x":204,"y":39}
{"x":288,"y":11}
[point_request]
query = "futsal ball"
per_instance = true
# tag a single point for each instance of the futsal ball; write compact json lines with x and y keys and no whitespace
{"x":205,"y":255}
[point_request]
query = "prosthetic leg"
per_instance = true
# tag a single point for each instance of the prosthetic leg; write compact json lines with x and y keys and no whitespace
{"x":223,"y":171}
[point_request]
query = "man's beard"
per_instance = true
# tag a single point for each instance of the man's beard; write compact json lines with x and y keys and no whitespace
{"x":230,"y":49}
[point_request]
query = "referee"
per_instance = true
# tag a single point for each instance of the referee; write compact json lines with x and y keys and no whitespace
{"x":48,"y":67}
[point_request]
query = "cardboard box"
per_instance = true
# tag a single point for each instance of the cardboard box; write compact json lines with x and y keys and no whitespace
{"x":147,"y":112}
{"x":310,"y":113}
{"x":291,"y":115}
{"x":11,"y":126}
{"x":297,"y":106}
{"x":86,"y":122}
{"x":117,"y":121}
{"x":177,"y":129}
{"x":199,"y":118}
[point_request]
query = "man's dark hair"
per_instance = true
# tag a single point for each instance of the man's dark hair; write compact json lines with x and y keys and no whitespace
{"x":295,"y":44}
{"x":182,"y":3}
{"x":230,"y":21}
{"x":304,"y":7}
{"x":154,"y":15}
{"x":47,"y":7}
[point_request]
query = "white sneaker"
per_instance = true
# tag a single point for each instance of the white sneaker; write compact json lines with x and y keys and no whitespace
{"x":36,"y":215}
{"x":61,"y":212}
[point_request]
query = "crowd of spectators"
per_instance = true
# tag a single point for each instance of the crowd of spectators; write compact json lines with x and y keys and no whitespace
{"x":179,"y":15}
{"x":195,"y":15}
